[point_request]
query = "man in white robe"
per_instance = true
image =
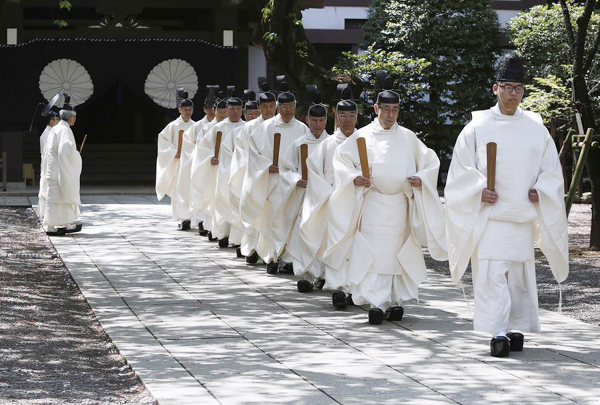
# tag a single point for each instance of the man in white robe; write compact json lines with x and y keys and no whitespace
{"x":53,"y":119}
{"x":213,"y":173}
{"x":496,"y":229}
{"x":251,"y":110}
{"x":251,"y":113}
{"x":377,"y":225}
{"x":313,"y":226}
{"x":239,"y":164}
{"x":168,"y":164}
{"x":190,"y":137}
{"x":63,"y":169}
{"x":286,"y":223}
{"x":196,"y":209}
{"x":260,"y":192}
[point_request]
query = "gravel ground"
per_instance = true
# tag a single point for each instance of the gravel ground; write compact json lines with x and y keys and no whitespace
{"x":581,"y":290}
{"x":52,"y":348}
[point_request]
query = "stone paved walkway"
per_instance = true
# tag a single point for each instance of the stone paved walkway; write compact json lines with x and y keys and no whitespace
{"x":201,"y":327}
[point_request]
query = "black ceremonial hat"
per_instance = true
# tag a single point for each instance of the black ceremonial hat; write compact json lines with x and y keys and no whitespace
{"x":67,"y":105}
{"x":249,"y":95}
{"x":52,"y":115}
{"x":222,"y":100}
{"x":510,"y":69}
{"x":345,"y":97}
{"x":251,"y":105}
{"x":234,"y":101}
{"x":385,"y":82}
{"x":184,"y":100}
{"x":286,"y":97}
{"x":211,"y":92}
{"x":316,"y":109}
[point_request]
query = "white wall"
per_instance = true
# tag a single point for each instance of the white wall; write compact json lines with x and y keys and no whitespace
{"x":331,"y":18}
{"x":505,"y":15}
{"x":257,"y":66}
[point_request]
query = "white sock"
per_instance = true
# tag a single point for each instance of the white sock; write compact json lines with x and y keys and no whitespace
{"x":501,"y":333}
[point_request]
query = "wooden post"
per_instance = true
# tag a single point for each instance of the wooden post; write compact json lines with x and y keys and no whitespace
{"x":578,"y":169}
{"x":218,"y":144}
{"x":180,"y":142}
{"x":562,"y":154}
{"x":303,"y":157}
{"x":276,"y":144}
{"x":364,"y":158}
{"x":491,"y":165}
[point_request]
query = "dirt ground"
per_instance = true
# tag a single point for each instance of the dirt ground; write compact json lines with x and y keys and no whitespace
{"x":52,"y":348}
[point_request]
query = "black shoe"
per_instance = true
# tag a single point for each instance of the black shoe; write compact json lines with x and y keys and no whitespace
{"x":272,"y":267}
{"x":223,"y":243}
{"x":349,"y":300}
{"x":500,"y":346}
{"x":319,"y":284}
{"x":516,"y":341}
{"x":238,"y":252}
{"x":210,"y":237}
{"x":375,"y":316}
{"x":200,"y":226}
{"x":394,"y":313}
{"x":252,"y":259}
{"x":339,"y":300}
{"x":185,"y":225}
{"x":305,"y":286}
{"x":287,"y":269}
{"x":58,"y":232}
{"x":78,"y":228}
{"x":203,"y":232}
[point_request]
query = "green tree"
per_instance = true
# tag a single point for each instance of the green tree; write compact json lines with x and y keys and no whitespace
{"x":458,"y":38}
{"x":562,"y":40}
{"x":287,"y":48}
{"x":407,"y":73}
{"x":63,"y":5}
{"x":551,"y":97}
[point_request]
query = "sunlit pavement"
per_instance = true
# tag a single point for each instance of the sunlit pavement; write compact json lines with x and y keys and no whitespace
{"x":199,"y":326}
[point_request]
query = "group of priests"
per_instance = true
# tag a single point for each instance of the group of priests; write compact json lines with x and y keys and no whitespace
{"x":351,"y":212}
{"x":58,"y":198}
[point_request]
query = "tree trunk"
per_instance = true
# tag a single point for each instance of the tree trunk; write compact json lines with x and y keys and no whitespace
{"x":583,"y":104}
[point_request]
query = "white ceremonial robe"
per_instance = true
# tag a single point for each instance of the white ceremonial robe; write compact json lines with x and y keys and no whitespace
{"x":498,"y":238}
{"x":167,"y":168}
{"x":197,"y":214}
{"x":378,"y":231}
{"x":260,"y":192}
{"x":183,"y":188}
{"x":42,"y":195}
{"x":239,"y":163}
{"x":313,"y":226}
{"x":209,"y":179}
{"x":63,"y":169}
{"x":286,"y":222}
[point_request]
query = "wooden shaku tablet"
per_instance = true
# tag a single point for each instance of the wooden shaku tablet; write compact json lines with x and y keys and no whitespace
{"x":491,"y":165}
{"x":362,"y":154}
{"x":180,"y":142}
{"x":276,"y":144}
{"x":303,"y":157}
{"x":218,"y":144}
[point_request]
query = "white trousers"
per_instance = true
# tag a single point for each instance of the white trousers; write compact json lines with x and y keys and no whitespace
{"x":180,"y":212}
{"x":60,"y":214}
{"x":505,"y":296}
